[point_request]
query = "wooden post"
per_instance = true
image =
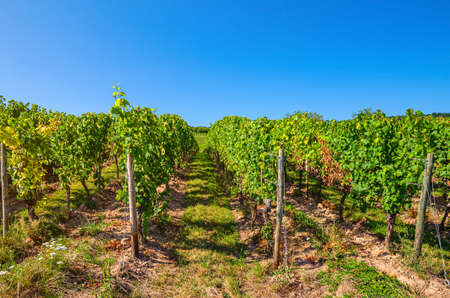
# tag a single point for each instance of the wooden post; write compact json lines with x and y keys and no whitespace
{"x":4,"y":183}
{"x":307,"y":179}
{"x":132,"y":204}
{"x":300,"y":172}
{"x":116,"y":160}
{"x":421,"y":212}
{"x":444,"y":218}
{"x":279,"y":215}
{"x":83,"y":182}
{"x":99,"y":177}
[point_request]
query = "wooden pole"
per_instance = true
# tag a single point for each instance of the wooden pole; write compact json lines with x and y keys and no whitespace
{"x":4,"y":183}
{"x":300,"y":172}
{"x":99,"y":177}
{"x":132,"y":204}
{"x":421,"y":213}
{"x":83,"y":182}
{"x":307,"y":179}
{"x":444,"y":219}
{"x":279,"y":215}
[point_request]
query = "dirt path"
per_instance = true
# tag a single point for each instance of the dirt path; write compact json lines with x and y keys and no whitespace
{"x":212,"y":256}
{"x":207,"y":246}
{"x":370,"y":249}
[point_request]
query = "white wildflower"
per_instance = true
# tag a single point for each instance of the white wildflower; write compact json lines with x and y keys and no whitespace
{"x":52,"y":254}
{"x":11,"y":267}
{"x":59,"y":263}
{"x":40,"y":259}
{"x":3,"y":272}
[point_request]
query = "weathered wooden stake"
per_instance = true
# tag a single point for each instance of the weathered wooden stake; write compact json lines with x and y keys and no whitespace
{"x":99,"y":177}
{"x":279,"y":215}
{"x":307,"y":179}
{"x":300,"y":171}
{"x":132,"y":206}
{"x":83,"y":182}
{"x":345,"y":193}
{"x":421,"y":212}
{"x":447,"y":209}
{"x":444,"y":218}
{"x":4,"y":183}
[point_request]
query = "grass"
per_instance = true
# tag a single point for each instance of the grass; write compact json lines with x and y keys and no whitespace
{"x":32,"y":270}
{"x":210,"y":256}
{"x":201,"y":141}
{"x":365,"y":279}
{"x":42,"y":274}
{"x":61,"y":265}
{"x":94,"y":227}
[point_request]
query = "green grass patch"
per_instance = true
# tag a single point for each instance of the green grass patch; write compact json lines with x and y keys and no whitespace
{"x":208,"y":250}
{"x":33,"y":274}
{"x":201,"y":141}
{"x":367,"y":281}
{"x":208,"y":223}
{"x":93,"y":228}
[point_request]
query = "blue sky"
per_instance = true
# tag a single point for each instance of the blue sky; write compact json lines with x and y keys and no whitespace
{"x":207,"y":59}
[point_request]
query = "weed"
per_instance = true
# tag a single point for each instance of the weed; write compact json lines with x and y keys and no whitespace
{"x":14,"y":247}
{"x":40,"y":275}
{"x":106,"y":287}
{"x":42,"y":230}
{"x":93,"y":228}
{"x":281,"y":278}
{"x":258,"y":272}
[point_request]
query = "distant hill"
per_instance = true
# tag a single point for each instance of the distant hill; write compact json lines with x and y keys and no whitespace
{"x":435,"y":115}
{"x":440,"y":115}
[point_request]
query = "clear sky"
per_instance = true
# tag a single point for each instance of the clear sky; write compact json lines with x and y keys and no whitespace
{"x":207,"y":59}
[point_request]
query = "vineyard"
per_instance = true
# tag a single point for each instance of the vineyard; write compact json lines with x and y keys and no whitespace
{"x":131,"y":203}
